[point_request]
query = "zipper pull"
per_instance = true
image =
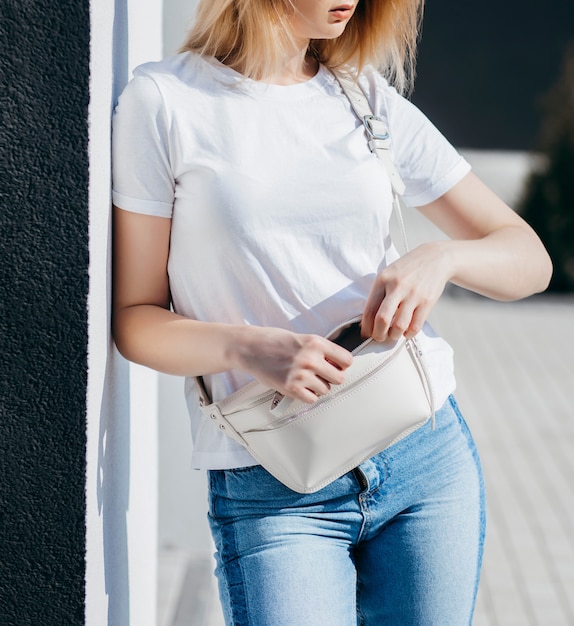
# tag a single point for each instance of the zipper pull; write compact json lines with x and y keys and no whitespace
{"x":276,"y":400}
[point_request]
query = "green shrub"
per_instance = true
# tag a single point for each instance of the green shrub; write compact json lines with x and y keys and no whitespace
{"x":548,"y":204}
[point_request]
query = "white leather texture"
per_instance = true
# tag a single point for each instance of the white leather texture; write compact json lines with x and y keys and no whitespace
{"x":386,"y":396}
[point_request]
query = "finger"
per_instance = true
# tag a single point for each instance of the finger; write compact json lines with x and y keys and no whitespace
{"x":401,"y":322}
{"x":328,"y":374}
{"x":385,"y":318}
{"x":314,"y":377}
{"x":306,"y":387}
{"x":315,"y":388}
{"x":305,"y":395}
{"x":376,"y":297}
{"x":417,"y":322}
{"x":337,"y":359}
{"x":320,"y":388}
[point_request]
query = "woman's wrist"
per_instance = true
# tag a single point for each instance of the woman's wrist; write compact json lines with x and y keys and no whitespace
{"x":445,"y":255}
{"x":239,"y":345}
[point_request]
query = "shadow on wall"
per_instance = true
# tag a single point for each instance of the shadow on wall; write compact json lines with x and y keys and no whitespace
{"x":113,"y":477}
{"x":113,"y":485}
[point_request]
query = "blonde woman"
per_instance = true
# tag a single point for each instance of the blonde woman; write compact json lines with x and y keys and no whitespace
{"x":250,"y":219}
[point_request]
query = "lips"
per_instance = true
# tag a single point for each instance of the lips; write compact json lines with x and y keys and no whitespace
{"x":343,"y":11}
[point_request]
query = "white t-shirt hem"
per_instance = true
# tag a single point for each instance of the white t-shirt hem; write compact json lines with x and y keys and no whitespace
{"x":145,"y":207}
{"x":222,"y":460}
{"x":440,"y":187}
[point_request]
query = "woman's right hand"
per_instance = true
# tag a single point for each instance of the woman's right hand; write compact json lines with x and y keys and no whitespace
{"x":299,"y":366}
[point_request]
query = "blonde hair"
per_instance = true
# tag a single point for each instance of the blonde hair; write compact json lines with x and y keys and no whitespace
{"x":251,"y":36}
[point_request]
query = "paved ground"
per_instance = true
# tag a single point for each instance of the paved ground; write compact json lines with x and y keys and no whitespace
{"x":515,"y":365}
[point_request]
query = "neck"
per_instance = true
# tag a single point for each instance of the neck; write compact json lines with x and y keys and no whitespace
{"x":298,"y":67}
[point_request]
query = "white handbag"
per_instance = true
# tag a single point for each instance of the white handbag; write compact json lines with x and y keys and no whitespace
{"x":386,"y":394}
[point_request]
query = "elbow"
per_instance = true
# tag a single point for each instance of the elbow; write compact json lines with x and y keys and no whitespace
{"x":546,"y":270}
{"x":543,"y":266}
{"x":533,"y":275}
{"x":122,"y":349}
{"x":117,"y":336}
{"x":120,"y":328}
{"x":537,"y":269}
{"x":538,"y":272}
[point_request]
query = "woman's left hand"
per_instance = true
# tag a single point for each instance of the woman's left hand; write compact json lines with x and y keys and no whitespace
{"x":404,"y":293}
{"x":491,"y":251}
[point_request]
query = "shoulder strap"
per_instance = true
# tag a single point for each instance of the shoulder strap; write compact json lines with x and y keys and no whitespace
{"x":378,"y":139}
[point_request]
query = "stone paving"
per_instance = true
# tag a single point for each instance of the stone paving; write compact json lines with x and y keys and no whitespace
{"x":515,"y":365}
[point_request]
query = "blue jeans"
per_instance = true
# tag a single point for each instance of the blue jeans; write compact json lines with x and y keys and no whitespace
{"x":398,"y":541}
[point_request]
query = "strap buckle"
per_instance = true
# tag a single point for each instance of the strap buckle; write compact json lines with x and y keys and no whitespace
{"x":376,"y":128}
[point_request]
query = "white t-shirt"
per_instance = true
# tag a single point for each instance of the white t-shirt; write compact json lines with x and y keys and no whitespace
{"x":280,"y":212}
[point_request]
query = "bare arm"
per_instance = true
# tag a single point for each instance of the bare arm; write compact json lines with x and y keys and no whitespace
{"x":147,"y":332}
{"x":492,"y":252}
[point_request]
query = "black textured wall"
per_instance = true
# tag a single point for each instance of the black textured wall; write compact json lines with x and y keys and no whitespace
{"x":44,"y":77}
{"x":483,"y":67}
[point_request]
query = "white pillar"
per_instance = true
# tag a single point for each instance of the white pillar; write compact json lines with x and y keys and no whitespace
{"x":121,"y":474}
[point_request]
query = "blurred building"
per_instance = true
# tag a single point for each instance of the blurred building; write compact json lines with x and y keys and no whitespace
{"x":483,"y":67}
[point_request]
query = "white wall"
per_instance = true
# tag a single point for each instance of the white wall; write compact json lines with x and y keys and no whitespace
{"x":122,"y":402}
{"x":182,"y":491}
{"x":121,"y":475}
{"x":182,"y":505}
{"x":177,"y":17}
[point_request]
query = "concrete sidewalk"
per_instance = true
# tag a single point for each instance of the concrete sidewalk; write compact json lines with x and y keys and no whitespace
{"x":515,"y":367}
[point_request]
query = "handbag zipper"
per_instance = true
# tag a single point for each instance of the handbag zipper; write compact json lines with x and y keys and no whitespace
{"x":275,"y":397}
{"x":267,"y":398}
{"x":287,"y":420}
{"x":417,"y":353}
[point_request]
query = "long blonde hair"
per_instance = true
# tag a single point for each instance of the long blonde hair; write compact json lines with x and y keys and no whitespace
{"x":251,"y":36}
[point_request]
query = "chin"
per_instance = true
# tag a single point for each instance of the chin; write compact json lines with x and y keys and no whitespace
{"x":333,"y":31}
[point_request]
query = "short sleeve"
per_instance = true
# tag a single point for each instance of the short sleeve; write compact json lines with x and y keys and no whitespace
{"x":142,"y":176}
{"x":427,"y":162}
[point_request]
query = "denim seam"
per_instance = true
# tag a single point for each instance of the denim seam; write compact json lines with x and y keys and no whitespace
{"x":366,"y":515}
{"x":481,"y":538}
{"x":481,"y":526}
{"x":239,"y":614}
{"x":358,"y":610}
{"x":482,"y":504}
